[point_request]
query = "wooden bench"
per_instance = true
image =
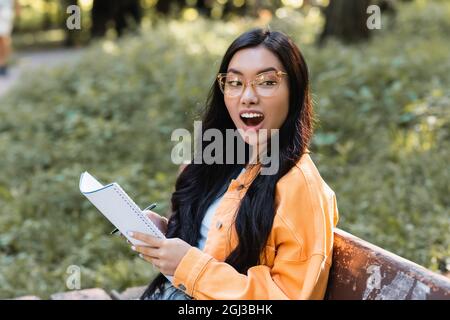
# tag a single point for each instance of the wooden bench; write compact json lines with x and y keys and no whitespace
{"x":362,"y":271}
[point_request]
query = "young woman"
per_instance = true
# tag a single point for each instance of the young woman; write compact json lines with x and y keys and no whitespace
{"x":234,"y":232}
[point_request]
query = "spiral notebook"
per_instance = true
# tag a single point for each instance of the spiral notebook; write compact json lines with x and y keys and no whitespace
{"x":114,"y":203}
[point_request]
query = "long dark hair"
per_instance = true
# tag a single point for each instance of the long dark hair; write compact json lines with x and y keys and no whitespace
{"x":198,"y":184}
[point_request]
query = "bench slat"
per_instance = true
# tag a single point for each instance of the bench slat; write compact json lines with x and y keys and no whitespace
{"x":362,"y":271}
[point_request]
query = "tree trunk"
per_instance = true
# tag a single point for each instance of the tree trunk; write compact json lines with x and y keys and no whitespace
{"x":165,"y":6}
{"x":203,"y":8}
{"x":103,"y":12}
{"x":127,"y":15}
{"x":346,"y":20}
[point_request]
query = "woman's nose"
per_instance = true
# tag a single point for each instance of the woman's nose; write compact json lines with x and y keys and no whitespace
{"x":249,"y":96}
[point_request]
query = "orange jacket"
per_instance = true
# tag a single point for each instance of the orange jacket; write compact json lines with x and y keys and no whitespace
{"x":299,"y":247}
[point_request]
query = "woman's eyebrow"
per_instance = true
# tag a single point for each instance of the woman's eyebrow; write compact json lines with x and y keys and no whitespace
{"x":260,"y":71}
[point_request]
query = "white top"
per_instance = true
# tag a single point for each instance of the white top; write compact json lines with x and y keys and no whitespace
{"x":206,"y":222}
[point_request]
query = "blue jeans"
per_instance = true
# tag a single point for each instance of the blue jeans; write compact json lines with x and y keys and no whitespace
{"x":169,"y":293}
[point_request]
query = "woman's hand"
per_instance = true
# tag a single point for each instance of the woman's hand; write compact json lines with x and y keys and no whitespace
{"x":164,"y":254}
{"x":159,"y":221}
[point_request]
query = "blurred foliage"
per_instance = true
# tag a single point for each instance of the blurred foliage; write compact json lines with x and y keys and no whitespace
{"x":381,"y":142}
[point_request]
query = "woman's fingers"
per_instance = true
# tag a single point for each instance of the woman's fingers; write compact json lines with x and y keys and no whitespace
{"x":159,"y":221}
{"x":147,"y":251}
{"x":154,"y":216}
{"x":148,"y":239}
{"x":153,"y":261}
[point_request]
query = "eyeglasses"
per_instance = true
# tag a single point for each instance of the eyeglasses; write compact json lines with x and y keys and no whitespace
{"x":265,"y":84}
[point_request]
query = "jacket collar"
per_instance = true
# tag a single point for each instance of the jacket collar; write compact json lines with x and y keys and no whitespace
{"x":252,"y":171}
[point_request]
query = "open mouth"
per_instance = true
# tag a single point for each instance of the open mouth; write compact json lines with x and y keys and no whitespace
{"x":252,"y":119}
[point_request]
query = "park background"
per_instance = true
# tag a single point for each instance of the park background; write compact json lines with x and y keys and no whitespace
{"x":382,"y":137}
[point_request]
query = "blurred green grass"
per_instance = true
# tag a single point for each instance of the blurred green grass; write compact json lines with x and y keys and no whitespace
{"x":381,"y":141}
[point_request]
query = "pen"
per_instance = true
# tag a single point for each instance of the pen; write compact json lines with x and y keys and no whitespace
{"x":150,"y":207}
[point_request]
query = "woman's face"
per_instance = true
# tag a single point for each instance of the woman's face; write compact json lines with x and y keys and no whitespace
{"x":249,"y":108}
